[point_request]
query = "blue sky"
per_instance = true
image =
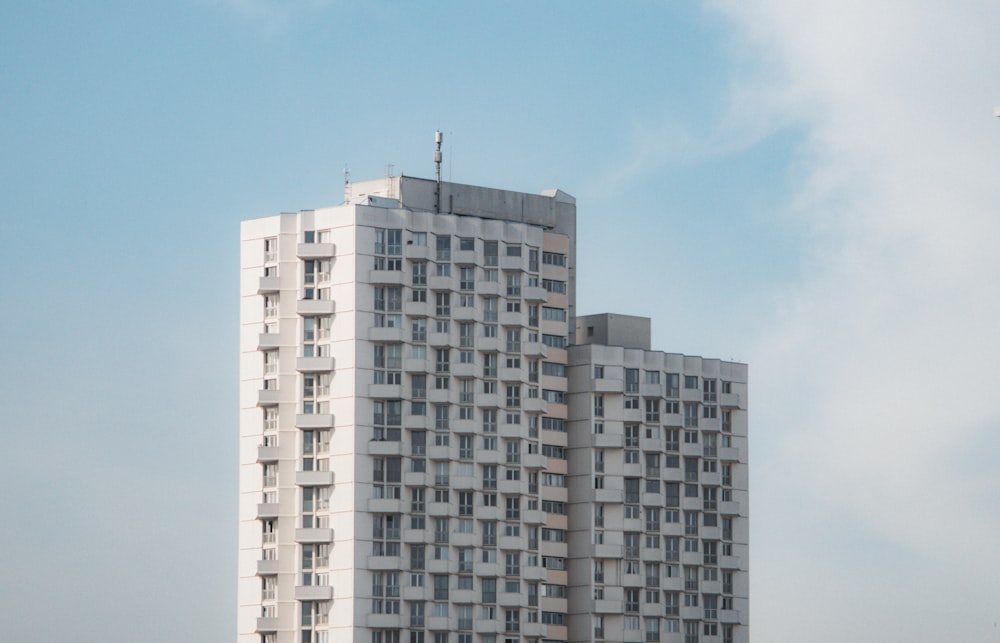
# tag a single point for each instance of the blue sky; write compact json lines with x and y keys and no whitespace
{"x":811,"y":189}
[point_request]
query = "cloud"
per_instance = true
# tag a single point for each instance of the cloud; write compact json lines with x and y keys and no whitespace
{"x":877,"y":380}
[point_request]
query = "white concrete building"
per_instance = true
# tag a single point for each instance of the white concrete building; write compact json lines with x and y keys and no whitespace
{"x":417,"y":436}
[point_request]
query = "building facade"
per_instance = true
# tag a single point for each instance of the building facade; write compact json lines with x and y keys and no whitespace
{"x":418,"y":435}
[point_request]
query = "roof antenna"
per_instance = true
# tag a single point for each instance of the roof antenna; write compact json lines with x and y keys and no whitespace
{"x":438,"y":137}
{"x":347,"y":184}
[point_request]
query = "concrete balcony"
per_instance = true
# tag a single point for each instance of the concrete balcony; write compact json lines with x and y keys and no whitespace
{"x":511,"y":263}
{"x":730,"y":617}
{"x":729,"y":454}
{"x":608,"y":551}
{"x":267,"y":454}
{"x":534,"y":573}
{"x":385,"y":391}
{"x":313,"y":592}
{"x":605,"y":606}
{"x":609,"y":495}
{"x":313,"y":364}
{"x":691,"y":613}
{"x":534,"y":294}
{"x":383,"y":621}
{"x":488,"y":513}
{"x":512,"y":319}
{"x":309,"y":307}
{"x":440,"y":282}
{"x":267,"y":567}
{"x":414,"y":535}
{"x":730,"y":562}
{"x":415,"y":365}
{"x":439,"y":339}
{"x":729,"y":400}
{"x":438,"y":623}
{"x":267,"y":510}
{"x":417,"y":252}
{"x":314,"y":421}
{"x":382,"y":563}
{"x":464,"y":482}
{"x":415,"y":421}
{"x":534,"y":405}
{"x":390,"y":277}
{"x":267,"y":624}
{"x":415,"y":478}
{"x":510,"y":487}
{"x":533,"y":630}
{"x":416,"y":308}
{"x":534,"y":517}
{"x":535,"y":461}
{"x":268,"y":397}
{"x":464,"y":370}
{"x":606,"y":385}
{"x":729,"y":508}
{"x":268,"y":285}
{"x":489,"y":457}
{"x":510,"y":599}
{"x":461,"y":314}
{"x":408,"y":593}
{"x":315,"y":250}
{"x":435,"y":452}
{"x":464,"y":596}
{"x":488,"y":344}
{"x":438,"y":509}
{"x":488,"y":288}
{"x":385,"y":505}
{"x":268,"y":341}
{"x":386,"y":334}
{"x":691,"y":395}
{"x":464,"y":257}
{"x":534,"y":349}
{"x":509,"y":542}
{"x":313,"y":535}
{"x":313,"y":478}
{"x":607,"y":440}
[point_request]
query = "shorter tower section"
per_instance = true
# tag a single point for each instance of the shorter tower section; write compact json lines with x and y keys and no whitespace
{"x":657,"y":490}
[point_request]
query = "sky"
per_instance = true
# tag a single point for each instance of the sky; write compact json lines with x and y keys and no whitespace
{"x":812,"y":188}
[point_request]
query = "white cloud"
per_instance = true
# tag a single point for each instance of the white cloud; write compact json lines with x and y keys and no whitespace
{"x":877,"y":381}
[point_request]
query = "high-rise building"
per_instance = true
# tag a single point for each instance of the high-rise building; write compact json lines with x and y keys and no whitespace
{"x":435,"y":449}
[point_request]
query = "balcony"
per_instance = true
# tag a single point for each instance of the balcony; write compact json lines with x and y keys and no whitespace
{"x":313,"y":478}
{"x":729,"y":562}
{"x":383,"y":621}
{"x":607,"y":606}
{"x":267,"y":510}
{"x":310,"y":307}
{"x":535,"y":294}
{"x":532,"y":630}
{"x":415,"y":478}
{"x":268,"y":397}
{"x":509,"y":599}
{"x":313,"y":364}
{"x":267,"y":567}
{"x":386,"y":334}
{"x":607,"y":440}
{"x":385,"y":391}
{"x":416,"y":308}
{"x":730,"y":617}
{"x":313,"y":592}
{"x":488,"y":288}
{"x":267,"y":454}
{"x":535,"y":405}
{"x":391,"y":277}
{"x":729,"y":400}
{"x":609,"y":495}
{"x":268,"y":285}
{"x":608,"y":551}
{"x":535,"y":349}
{"x":438,"y":623}
{"x":267,"y":624}
{"x":385,"y":505}
{"x":535,"y":461}
{"x":268,"y":341}
{"x":314,"y":250}
{"x":314,"y":421}
{"x":729,"y":508}
{"x":534,"y":573}
{"x":313,"y":535}
{"x":729,"y":454}
{"x":385,"y":447}
{"x":511,"y":263}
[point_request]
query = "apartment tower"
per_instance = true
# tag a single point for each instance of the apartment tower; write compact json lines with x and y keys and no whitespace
{"x":430,"y":451}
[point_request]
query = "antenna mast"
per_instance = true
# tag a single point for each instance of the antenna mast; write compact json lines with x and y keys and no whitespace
{"x":438,"y":137}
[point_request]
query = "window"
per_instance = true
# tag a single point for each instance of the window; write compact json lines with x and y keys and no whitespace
{"x":598,"y":406}
{"x":598,"y":372}
{"x":553,"y":259}
{"x":443,"y":247}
